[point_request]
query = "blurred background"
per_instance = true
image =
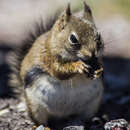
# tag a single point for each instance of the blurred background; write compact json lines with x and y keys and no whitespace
{"x":112,"y":18}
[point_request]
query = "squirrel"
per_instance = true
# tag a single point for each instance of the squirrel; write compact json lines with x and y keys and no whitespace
{"x":61,"y":72}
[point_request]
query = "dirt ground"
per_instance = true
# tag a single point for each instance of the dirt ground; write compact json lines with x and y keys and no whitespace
{"x":11,"y":117}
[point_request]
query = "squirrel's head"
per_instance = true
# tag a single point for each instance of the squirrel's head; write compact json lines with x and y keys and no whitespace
{"x":75,"y":37}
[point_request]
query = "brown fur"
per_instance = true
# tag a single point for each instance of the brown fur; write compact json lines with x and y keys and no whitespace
{"x":46,"y":50}
{"x":20,"y":52}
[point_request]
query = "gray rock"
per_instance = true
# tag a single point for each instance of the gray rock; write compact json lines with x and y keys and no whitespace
{"x":74,"y":128}
{"x":41,"y":127}
{"x":119,"y":124}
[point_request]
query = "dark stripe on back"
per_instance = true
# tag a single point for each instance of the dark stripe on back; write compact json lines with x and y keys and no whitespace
{"x":32,"y":75}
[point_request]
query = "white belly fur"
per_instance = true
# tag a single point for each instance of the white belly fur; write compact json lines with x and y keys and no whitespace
{"x":62,"y":98}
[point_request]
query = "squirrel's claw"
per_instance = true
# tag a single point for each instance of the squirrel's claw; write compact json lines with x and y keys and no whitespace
{"x":81,"y":67}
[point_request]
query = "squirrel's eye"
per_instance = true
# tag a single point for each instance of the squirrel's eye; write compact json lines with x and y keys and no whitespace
{"x":74,"y":41}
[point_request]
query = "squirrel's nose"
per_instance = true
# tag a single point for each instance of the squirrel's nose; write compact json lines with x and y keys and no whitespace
{"x":89,"y":57}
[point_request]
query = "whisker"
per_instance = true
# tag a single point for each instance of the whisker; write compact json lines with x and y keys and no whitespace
{"x":113,"y":40}
{"x":109,"y":42}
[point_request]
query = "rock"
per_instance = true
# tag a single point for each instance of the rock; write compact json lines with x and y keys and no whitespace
{"x":41,"y":127}
{"x":21,"y":107}
{"x":120,"y":124}
{"x":74,"y":128}
{"x":3,"y":112}
{"x":4,"y":105}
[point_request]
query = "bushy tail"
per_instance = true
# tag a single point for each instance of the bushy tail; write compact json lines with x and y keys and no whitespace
{"x":42,"y":25}
{"x":17,"y":56}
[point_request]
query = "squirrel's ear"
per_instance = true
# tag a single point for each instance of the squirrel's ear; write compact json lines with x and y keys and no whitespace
{"x":87,"y":12}
{"x":68,"y":12}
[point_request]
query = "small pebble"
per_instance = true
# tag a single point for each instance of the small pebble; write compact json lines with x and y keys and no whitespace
{"x":4,"y":105}
{"x":3,"y":112}
{"x":74,"y":128}
{"x":41,"y":127}
{"x":97,"y":121}
{"x":21,"y":107}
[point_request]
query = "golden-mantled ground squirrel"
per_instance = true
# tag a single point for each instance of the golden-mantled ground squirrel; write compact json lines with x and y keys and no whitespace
{"x":62,"y":72}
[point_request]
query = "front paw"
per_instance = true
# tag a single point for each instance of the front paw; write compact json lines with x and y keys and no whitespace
{"x":94,"y":74}
{"x":98,"y":73}
{"x":81,"y":67}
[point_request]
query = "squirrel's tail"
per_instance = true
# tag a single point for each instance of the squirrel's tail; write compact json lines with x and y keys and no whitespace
{"x":17,"y":56}
{"x":42,"y":25}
